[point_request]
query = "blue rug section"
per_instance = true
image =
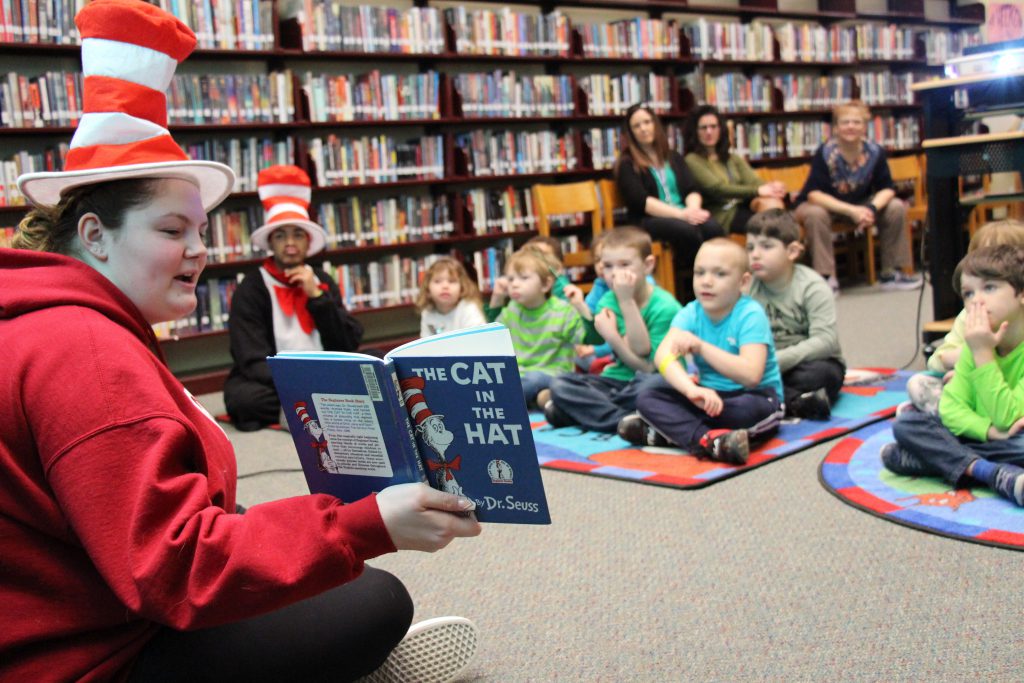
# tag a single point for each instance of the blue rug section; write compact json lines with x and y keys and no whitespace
{"x":577,"y":450}
{"x":853,"y":471}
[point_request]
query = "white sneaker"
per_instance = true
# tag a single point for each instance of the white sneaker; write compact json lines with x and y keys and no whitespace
{"x":433,"y":651}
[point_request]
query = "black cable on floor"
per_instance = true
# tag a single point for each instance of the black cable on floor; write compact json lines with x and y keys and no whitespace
{"x":925,"y":280}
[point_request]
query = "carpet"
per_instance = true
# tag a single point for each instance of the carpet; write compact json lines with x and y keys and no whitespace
{"x":871,"y":395}
{"x":853,"y":472}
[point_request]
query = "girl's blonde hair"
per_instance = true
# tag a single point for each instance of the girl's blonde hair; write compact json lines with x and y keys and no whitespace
{"x":470,"y":292}
{"x":997,"y":233}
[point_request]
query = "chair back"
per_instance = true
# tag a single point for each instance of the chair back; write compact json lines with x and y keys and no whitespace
{"x":568,"y":198}
{"x":611,"y":199}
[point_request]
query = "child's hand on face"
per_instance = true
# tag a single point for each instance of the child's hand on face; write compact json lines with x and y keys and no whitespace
{"x":623,"y":283}
{"x":500,"y":292}
{"x":606,"y":324}
{"x":706,"y":399}
{"x":978,"y":333}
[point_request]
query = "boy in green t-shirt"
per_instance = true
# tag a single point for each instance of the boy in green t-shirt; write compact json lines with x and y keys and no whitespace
{"x":633,"y":317}
{"x":978,"y":435}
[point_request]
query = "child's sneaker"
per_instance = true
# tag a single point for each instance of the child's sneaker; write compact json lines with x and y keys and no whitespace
{"x":556,"y":417}
{"x":730,"y":446}
{"x":811,"y":405}
{"x":433,"y":651}
{"x":897,"y":279}
{"x":902,"y":461}
{"x":1009,"y":483}
{"x":543,"y":396}
{"x":635,"y":430}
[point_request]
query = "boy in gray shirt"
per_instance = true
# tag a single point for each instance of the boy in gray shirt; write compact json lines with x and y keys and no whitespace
{"x":802,"y":312}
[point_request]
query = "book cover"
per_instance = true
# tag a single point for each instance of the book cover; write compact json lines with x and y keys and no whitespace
{"x":447,"y":410}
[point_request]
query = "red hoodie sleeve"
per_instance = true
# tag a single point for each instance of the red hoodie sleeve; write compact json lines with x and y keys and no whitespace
{"x":147,"y":520}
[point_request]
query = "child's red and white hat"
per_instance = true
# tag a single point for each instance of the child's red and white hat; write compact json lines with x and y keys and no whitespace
{"x":285,"y":192}
{"x":130,"y":50}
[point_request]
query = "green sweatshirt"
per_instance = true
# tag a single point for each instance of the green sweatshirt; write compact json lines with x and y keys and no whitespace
{"x":979,"y":398}
{"x":724,"y":185}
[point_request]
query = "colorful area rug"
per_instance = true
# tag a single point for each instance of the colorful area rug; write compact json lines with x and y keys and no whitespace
{"x":571,"y":449}
{"x":853,"y":472}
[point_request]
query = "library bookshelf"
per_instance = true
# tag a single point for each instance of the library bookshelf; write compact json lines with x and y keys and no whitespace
{"x":418,"y":148}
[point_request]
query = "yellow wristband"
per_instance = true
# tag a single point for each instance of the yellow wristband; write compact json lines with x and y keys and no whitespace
{"x":666,"y":361}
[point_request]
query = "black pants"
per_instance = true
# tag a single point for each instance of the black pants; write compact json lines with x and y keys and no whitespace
{"x":685,"y":239}
{"x":811,"y":375}
{"x":339,"y":635}
{"x":251,"y":404}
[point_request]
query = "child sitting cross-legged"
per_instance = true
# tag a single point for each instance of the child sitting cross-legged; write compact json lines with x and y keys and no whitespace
{"x":977,"y":433}
{"x":728,"y":335}
{"x":802,"y":313}
{"x":633,"y":317}
{"x":545,"y":330}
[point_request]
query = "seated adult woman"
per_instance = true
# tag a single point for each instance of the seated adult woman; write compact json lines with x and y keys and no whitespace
{"x":124,"y":554}
{"x":732,"y":191}
{"x":660,"y":193}
{"x":850,"y":181}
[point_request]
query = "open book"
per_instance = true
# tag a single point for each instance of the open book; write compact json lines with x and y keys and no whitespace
{"x":447,"y":410}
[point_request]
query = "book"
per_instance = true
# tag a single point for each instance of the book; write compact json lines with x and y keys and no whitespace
{"x":447,"y":410}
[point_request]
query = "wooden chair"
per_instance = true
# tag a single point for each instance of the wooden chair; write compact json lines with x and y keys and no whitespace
{"x":984,"y":210}
{"x":569,"y":198}
{"x":908,"y":169}
{"x":664,"y":270}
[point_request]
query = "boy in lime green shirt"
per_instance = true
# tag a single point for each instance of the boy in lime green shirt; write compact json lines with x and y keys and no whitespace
{"x":977,"y":434}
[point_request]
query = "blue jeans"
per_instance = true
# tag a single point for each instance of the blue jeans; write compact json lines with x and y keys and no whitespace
{"x":533,"y":381}
{"x":596,"y":402}
{"x":942,"y":454}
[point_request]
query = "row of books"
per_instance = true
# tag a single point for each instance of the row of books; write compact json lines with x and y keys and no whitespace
{"x":506,"y":32}
{"x":638,"y":38}
{"x":730,"y":40}
{"x":394,"y":220}
{"x":51,"y":159}
{"x":801,"y":42}
{"x":506,"y":152}
{"x":804,"y":137}
{"x":736,"y":92}
{"x":497,"y":210}
{"x":227,"y":99}
{"x":373,"y":96}
{"x":606,"y":143}
{"x":40,"y":21}
{"x":876,"y":41}
{"x":390,"y":281}
{"x":885,"y":87}
{"x":802,"y":92}
{"x":330,"y":25}
{"x":759,"y":139}
{"x":246,"y":156}
{"x":229,"y":233}
{"x":505,"y":93}
{"x":903,"y":132}
{"x":227,"y":24}
{"x":53,"y":98}
{"x":615,"y":94}
{"x":7,"y":237}
{"x":376,"y":159}
{"x":489,"y":264}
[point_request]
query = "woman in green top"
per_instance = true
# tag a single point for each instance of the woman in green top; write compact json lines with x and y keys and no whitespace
{"x":732,"y":191}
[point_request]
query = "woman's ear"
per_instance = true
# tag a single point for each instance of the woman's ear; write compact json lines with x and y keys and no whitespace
{"x":92,"y":236}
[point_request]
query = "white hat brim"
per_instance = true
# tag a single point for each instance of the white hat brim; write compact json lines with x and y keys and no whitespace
{"x":317,"y":235}
{"x":214,"y":180}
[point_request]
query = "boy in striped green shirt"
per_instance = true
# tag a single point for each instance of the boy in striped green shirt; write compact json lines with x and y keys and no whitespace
{"x":545,"y":329}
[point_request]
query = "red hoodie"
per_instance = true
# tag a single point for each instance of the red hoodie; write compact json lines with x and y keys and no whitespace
{"x":117,"y":491}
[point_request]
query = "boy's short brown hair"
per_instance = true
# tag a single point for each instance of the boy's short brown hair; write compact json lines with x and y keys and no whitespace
{"x":531,"y":261}
{"x":628,"y":237}
{"x":775,"y":223}
{"x":552,"y":243}
{"x":1004,"y":262}
{"x":994,"y":233}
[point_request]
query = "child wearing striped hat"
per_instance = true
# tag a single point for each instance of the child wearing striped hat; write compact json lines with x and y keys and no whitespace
{"x":287,"y":305}
{"x":124,"y":555}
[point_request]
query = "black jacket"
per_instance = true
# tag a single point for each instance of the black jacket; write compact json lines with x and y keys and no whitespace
{"x":636,"y":186}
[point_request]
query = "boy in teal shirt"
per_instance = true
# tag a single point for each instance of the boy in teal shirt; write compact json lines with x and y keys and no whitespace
{"x":977,"y":434}
{"x":633,"y":317}
{"x":739,"y":392}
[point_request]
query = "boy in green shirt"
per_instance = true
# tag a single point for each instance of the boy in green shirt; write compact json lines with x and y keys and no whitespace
{"x":633,"y":317}
{"x":981,"y":413}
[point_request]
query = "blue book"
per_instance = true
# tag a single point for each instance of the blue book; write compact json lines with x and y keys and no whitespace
{"x":447,"y":410}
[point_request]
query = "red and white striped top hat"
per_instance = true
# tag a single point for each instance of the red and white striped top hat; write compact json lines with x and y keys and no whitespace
{"x":130,"y":50}
{"x":415,"y":402}
{"x":285,"y":192}
{"x":302,"y":414}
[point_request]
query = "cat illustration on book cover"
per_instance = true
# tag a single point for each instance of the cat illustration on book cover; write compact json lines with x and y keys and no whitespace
{"x":325,"y":463}
{"x":435,"y":434}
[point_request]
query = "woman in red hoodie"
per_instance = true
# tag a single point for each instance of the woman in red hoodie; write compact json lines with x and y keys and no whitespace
{"x":121,"y":553}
